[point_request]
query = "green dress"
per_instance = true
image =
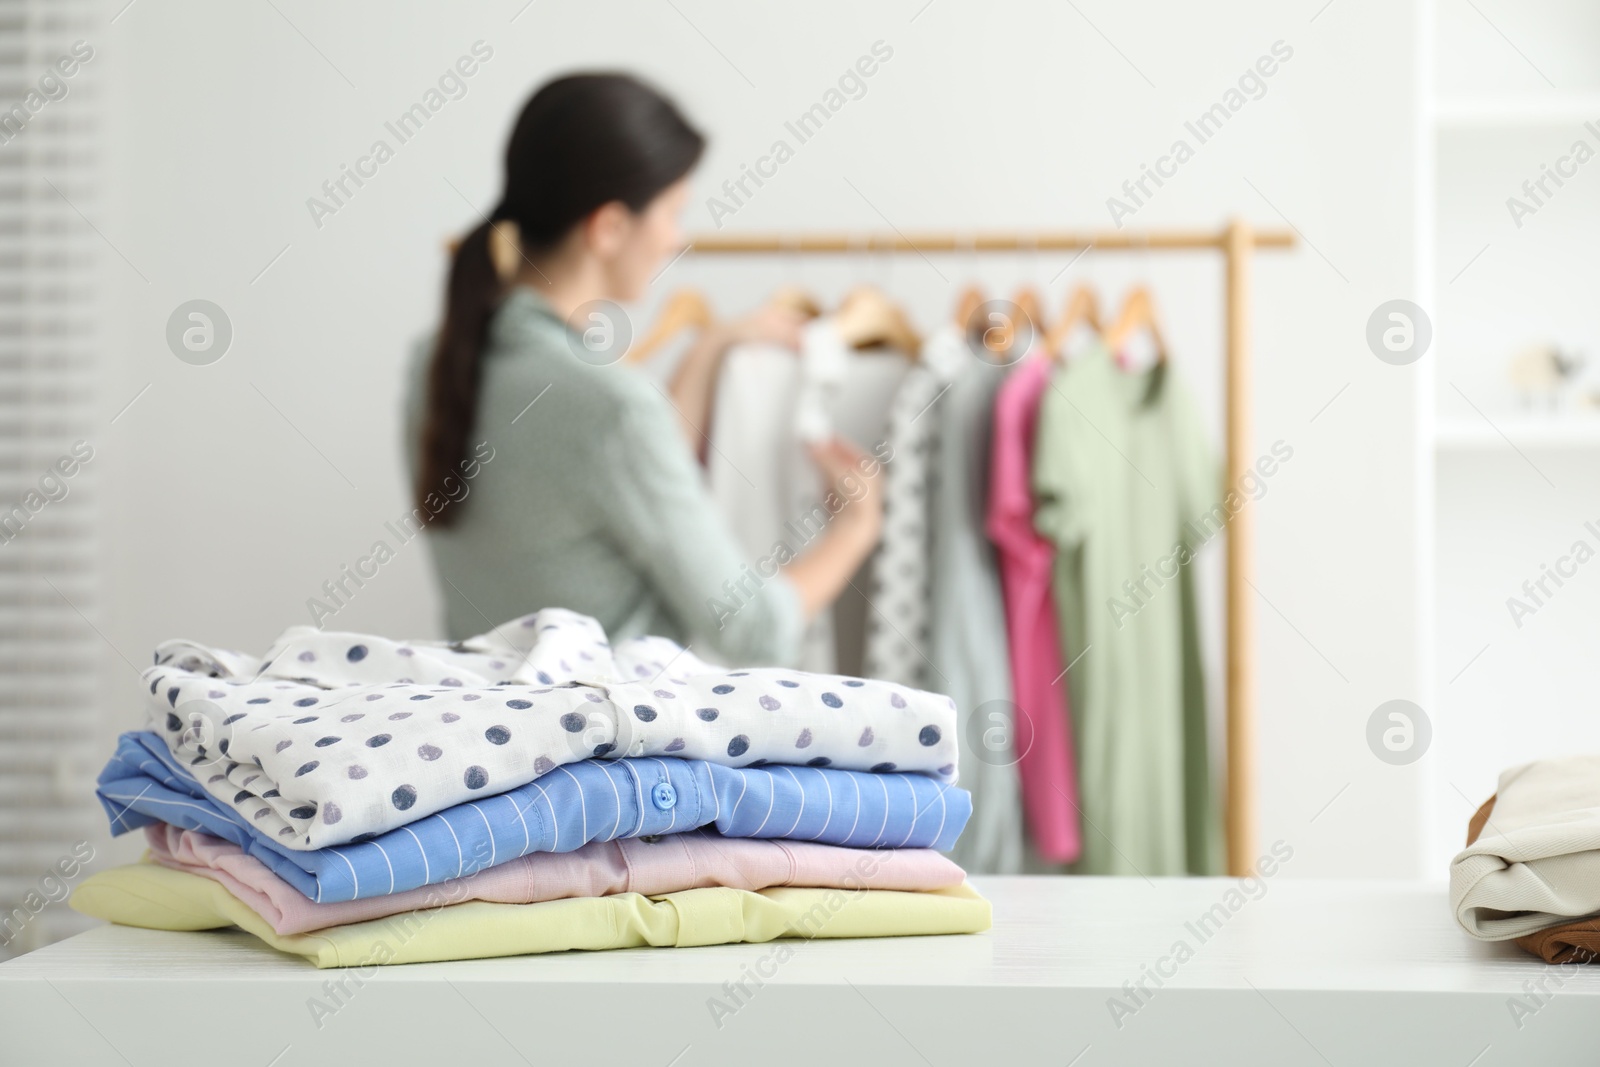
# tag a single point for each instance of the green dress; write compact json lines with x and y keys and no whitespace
{"x":1122,"y":467}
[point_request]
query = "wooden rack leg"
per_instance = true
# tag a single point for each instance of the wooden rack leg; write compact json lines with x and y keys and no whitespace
{"x":1238,"y":247}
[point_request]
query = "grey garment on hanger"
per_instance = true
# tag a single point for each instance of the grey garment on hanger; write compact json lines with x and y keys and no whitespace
{"x":967,"y":639}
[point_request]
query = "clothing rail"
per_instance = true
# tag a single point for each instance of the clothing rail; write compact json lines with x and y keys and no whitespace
{"x":1008,"y":241}
{"x":1237,"y":241}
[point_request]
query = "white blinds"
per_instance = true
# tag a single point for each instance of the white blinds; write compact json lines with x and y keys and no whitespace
{"x":49,"y":253}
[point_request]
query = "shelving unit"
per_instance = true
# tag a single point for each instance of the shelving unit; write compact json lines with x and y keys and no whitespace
{"x":1475,"y":113}
{"x":1524,"y":431}
{"x":1489,"y":116}
{"x":1513,"y":88}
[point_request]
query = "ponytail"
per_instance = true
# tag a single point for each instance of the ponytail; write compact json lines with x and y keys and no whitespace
{"x":581,"y":142}
{"x":473,"y":294}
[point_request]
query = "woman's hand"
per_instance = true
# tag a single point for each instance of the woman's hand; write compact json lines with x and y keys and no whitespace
{"x":824,"y":570}
{"x":844,"y":465}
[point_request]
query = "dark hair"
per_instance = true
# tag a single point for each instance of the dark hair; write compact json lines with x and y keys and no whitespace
{"x":581,"y":142}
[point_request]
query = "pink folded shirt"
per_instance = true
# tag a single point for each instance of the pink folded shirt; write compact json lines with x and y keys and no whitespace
{"x":651,"y":866}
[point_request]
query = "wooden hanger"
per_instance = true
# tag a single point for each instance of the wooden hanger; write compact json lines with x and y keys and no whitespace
{"x":1026,"y":298}
{"x":796,"y":299}
{"x":1138,"y":313}
{"x":1082,"y":309}
{"x":684,"y":310}
{"x":868,"y":317}
{"x":981,"y":338}
{"x":967,"y":305}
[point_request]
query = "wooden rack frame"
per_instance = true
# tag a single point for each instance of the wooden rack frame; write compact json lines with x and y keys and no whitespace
{"x":1237,"y":241}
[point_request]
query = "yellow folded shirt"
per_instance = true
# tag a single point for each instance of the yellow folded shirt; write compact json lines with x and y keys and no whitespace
{"x":158,"y":898}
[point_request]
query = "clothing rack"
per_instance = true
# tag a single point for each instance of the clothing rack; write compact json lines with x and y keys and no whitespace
{"x":1237,"y":241}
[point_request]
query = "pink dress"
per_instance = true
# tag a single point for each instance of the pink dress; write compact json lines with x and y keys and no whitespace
{"x":1045,"y":761}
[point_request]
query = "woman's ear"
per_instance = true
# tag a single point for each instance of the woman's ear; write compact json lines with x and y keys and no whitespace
{"x":606,"y":229}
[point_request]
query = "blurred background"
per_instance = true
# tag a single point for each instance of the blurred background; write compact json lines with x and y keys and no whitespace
{"x":1404,"y":143}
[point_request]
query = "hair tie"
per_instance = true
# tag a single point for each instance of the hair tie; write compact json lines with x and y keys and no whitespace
{"x":505,"y":248}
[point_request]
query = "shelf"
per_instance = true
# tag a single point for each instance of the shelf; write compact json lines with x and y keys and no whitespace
{"x":1473,"y":113}
{"x":1524,"y":431}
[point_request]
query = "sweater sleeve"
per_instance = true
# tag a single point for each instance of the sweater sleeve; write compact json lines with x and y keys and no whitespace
{"x":662,"y":517}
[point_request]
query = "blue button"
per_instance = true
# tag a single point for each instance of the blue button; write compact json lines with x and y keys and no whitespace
{"x":664,"y":796}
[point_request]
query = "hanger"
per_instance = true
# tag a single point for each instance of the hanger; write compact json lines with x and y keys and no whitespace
{"x":1026,"y":298}
{"x":684,"y":310}
{"x":1082,"y":309}
{"x":868,"y":318}
{"x":797,"y":299}
{"x":1138,"y":313}
{"x":966,"y":306}
{"x":981,"y":339}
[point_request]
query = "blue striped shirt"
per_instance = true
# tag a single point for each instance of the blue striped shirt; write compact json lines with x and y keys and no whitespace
{"x":593,"y":800}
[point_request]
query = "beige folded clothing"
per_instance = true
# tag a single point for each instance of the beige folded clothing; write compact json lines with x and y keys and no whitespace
{"x":1536,"y":863}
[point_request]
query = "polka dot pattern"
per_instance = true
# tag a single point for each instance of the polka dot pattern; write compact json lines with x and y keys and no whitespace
{"x":900,"y":626}
{"x":371,"y":734}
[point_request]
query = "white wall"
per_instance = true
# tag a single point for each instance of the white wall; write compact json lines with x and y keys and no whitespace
{"x":224,"y":514}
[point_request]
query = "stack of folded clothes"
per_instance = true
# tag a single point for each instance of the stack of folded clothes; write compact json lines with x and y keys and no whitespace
{"x":1531,"y":869}
{"x":356,"y":800}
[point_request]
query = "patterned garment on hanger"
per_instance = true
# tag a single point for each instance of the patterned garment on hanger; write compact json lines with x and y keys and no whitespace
{"x":898,"y":625}
{"x":335,"y":735}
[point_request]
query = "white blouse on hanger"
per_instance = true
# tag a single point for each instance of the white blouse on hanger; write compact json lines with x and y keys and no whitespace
{"x":770,"y":404}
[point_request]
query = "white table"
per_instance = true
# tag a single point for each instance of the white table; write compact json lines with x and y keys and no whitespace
{"x":1311,"y":972}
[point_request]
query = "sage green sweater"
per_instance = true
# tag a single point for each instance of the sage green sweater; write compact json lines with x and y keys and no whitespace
{"x":592,"y":501}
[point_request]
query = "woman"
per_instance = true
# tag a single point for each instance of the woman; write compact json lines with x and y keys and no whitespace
{"x":577,"y":485}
